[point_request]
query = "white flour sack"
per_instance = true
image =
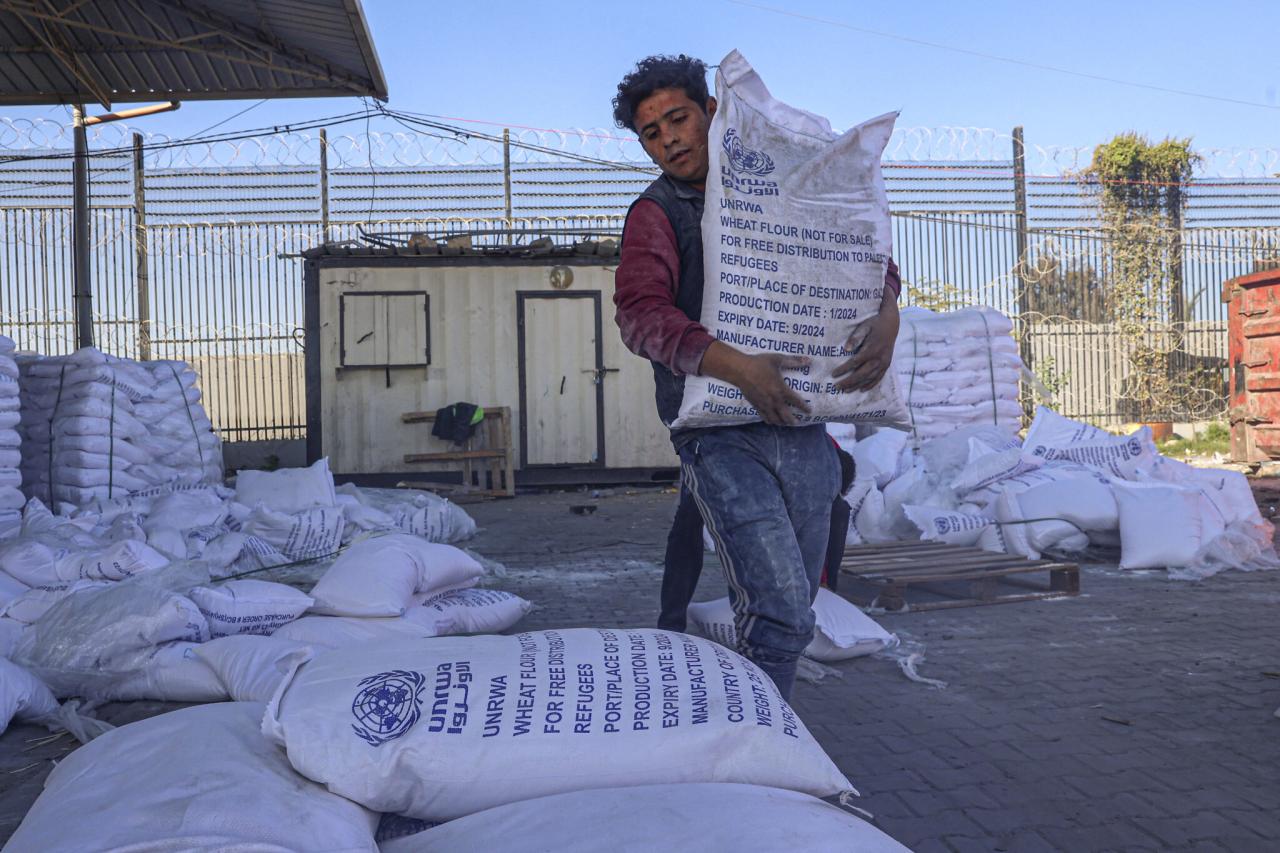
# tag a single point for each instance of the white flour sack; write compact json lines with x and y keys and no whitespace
{"x":470,"y":611}
{"x":647,"y":818}
{"x":440,"y":728}
{"x":842,"y":630}
{"x":796,"y":240}
{"x":249,"y":606}
{"x":198,"y":778}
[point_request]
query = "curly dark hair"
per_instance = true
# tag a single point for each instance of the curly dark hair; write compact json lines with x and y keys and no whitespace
{"x":659,"y":72}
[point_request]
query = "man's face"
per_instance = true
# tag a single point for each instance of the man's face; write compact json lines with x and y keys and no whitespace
{"x":673,"y":131}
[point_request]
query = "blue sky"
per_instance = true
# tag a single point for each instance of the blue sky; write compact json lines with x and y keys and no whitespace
{"x":555,"y":63}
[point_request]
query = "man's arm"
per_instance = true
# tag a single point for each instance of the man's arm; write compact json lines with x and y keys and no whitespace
{"x":872,"y":342}
{"x":653,"y":327}
{"x":645,"y":295}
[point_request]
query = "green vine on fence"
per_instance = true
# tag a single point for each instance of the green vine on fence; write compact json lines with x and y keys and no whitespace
{"x":1140,"y":190}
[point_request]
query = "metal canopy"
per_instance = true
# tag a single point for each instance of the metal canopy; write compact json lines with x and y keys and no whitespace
{"x":114,"y":51}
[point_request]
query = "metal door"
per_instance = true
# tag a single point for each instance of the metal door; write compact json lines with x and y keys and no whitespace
{"x":561,"y":378}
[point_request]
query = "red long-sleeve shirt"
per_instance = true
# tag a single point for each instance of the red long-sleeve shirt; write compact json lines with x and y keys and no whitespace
{"x":645,"y":291}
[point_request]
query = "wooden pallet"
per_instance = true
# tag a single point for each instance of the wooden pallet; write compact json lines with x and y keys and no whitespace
{"x":485,"y":462}
{"x":933,"y":576}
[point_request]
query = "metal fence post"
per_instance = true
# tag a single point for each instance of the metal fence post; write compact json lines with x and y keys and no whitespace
{"x":506,"y":173}
{"x":140,"y":258}
{"x":81,"y":223}
{"x":324,"y":186}
{"x":1179,"y":363}
{"x":1020,"y":216}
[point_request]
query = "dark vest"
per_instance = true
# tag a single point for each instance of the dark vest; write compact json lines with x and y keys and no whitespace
{"x":683,"y":206}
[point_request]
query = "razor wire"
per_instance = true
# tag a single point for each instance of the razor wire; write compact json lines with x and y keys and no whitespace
{"x":403,"y":147}
{"x":50,"y":230}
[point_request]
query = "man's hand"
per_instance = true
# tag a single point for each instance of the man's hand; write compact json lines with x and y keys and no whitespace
{"x":872,"y":346}
{"x":759,"y":378}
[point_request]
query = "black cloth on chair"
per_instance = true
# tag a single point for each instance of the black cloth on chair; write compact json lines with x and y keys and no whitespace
{"x":454,"y":423}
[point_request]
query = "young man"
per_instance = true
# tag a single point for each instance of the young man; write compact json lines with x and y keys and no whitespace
{"x":764,"y":490}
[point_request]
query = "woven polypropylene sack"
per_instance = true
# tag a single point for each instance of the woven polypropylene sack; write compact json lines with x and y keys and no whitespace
{"x":796,"y":241}
{"x":649,"y":818}
{"x":200,"y":778}
{"x":440,"y":728}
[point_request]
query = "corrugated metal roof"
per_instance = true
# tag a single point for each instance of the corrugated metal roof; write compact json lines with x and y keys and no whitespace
{"x":104,"y":51}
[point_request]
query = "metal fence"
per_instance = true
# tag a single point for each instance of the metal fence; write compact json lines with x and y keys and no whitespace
{"x":196,"y":246}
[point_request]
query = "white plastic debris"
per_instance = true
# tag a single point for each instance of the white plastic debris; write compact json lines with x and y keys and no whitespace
{"x":170,"y":673}
{"x":92,"y":639}
{"x":23,"y":696}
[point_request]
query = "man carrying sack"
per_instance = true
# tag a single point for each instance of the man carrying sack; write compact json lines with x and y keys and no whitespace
{"x":764,"y":487}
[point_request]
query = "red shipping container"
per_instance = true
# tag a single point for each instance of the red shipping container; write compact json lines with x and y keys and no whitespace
{"x":1253,"y":353}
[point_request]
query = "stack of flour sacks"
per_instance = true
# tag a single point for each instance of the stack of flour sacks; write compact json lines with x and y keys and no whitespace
{"x":1065,"y":487}
{"x":362,"y":723}
{"x":144,"y":568}
{"x":465,"y":743}
{"x":11,"y":497}
{"x":126,"y":624}
{"x":957,"y":369}
{"x":298,"y":514}
{"x":96,"y":427}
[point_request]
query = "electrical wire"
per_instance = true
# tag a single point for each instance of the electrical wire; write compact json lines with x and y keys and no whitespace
{"x":228,"y":118}
{"x":373,"y":174}
{"x":564,"y":130}
{"x":1021,"y":62}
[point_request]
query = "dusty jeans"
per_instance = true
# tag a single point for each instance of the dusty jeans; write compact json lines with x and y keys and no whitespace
{"x":765,"y":494}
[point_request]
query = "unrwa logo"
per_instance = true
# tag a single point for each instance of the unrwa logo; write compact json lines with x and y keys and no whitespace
{"x":387,"y":705}
{"x":744,"y":159}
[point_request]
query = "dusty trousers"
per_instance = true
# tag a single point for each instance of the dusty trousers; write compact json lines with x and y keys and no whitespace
{"x":765,"y":494}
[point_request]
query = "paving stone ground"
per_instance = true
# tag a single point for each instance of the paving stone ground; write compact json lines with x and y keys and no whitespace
{"x":1138,"y":716}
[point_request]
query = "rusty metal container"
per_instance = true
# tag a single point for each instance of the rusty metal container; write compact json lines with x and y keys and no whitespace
{"x":1253,"y":352}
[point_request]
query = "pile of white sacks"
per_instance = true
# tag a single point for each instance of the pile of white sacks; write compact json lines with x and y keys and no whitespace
{"x":11,"y":497}
{"x":1064,"y":488}
{"x":957,"y":369}
{"x":96,"y":427}
{"x":349,"y":710}
{"x":114,"y":599}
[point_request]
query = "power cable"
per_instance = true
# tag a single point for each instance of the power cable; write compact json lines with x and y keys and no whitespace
{"x":228,"y":118}
{"x":1021,"y":62}
{"x":373,"y":175}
